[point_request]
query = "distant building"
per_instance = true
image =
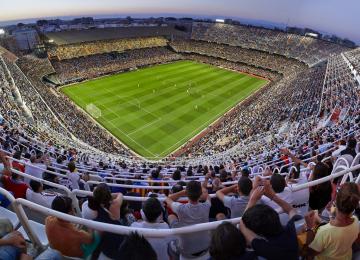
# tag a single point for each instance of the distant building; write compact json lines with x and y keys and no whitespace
{"x":26,"y":38}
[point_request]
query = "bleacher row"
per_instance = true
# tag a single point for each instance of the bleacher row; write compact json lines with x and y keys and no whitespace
{"x":30,"y":222}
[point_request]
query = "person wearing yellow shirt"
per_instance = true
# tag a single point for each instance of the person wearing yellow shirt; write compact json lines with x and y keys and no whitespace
{"x":334,"y":240}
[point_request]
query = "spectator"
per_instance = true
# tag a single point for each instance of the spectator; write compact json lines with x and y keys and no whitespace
{"x":16,"y":164}
{"x":15,"y":185}
{"x":37,"y":195}
{"x":136,"y":247}
{"x":227,"y":243}
{"x":262,"y":228}
{"x":108,"y":209}
{"x":194,"y":212}
{"x":73,"y":176}
{"x":350,"y":148}
{"x":56,"y":228}
{"x":335,"y":239}
{"x":35,"y":168}
{"x":237,"y":205}
{"x":152,"y":217}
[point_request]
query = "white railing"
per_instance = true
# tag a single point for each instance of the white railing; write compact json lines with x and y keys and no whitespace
{"x":19,"y":203}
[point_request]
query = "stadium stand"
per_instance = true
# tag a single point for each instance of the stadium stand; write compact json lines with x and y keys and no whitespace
{"x":282,"y":165}
{"x":90,"y":48}
{"x":306,"y":49}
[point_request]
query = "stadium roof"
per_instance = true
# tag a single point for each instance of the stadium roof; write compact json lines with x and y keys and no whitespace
{"x":75,"y":36}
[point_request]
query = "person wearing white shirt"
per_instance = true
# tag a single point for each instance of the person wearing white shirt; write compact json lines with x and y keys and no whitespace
{"x":340,"y":148}
{"x":34,"y":169}
{"x":278,"y":184}
{"x":38,"y":196}
{"x":153,"y":218}
{"x":73,"y":176}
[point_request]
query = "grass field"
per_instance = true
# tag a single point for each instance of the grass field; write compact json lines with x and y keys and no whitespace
{"x":157,"y":109}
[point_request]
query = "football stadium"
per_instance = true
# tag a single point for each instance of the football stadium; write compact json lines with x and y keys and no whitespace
{"x":150,"y":136}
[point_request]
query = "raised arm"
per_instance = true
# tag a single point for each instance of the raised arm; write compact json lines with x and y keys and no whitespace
{"x":220,"y":194}
{"x":293,"y":157}
{"x":270,"y":193}
{"x":174,"y":197}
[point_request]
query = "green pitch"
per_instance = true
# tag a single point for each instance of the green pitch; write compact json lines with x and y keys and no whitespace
{"x":156,"y":110}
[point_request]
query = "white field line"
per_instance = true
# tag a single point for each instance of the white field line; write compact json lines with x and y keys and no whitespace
{"x":145,"y":126}
{"x":206,"y":125}
{"x":117,"y":128}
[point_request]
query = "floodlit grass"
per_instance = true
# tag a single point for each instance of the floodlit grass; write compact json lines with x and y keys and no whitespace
{"x":157,"y":109}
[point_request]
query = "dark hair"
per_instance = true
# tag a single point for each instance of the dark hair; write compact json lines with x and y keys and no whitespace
{"x":136,"y":247}
{"x":102,"y":196}
{"x":278,"y":183}
{"x":223,"y":175}
{"x":71,"y":166}
{"x":227,"y":242}
{"x":35,"y":185}
{"x":263,"y":220}
{"x":351,"y":143}
{"x":152,"y":209}
{"x":176,"y":188}
{"x":176,"y":175}
{"x":62,"y":204}
{"x":347,"y":199}
{"x":193,"y":190}
{"x":155,"y":174}
{"x":17,"y":155}
{"x":245,"y":185}
{"x":245,"y":172}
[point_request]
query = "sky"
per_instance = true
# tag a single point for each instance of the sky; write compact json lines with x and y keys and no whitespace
{"x":340,"y":17}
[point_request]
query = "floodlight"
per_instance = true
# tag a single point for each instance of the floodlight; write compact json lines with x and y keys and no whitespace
{"x":220,"y":20}
{"x":2,"y":31}
{"x":51,"y":40}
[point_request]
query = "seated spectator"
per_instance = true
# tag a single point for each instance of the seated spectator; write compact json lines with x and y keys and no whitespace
{"x":56,"y":229}
{"x":152,"y":217}
{"x":37,"y":195}
{"x":108,"y":209}
{"x":350,"y":148}
{"x":5,"y":168}
{"x":262,"y":228}
{"x":73,"y":176}
{"x":34,"y":168}
{"x":194,"y":245}
{"x":227,"y":243}
{"x":320,"y":195}
{"x":335,"y":239}
{"x":15,"y":185}
{"x":13,"y":246}
{"x":236,"y":204}
{"x":136,"y":247}
{"x":18,"y":165}
{"x":278,"y":184}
